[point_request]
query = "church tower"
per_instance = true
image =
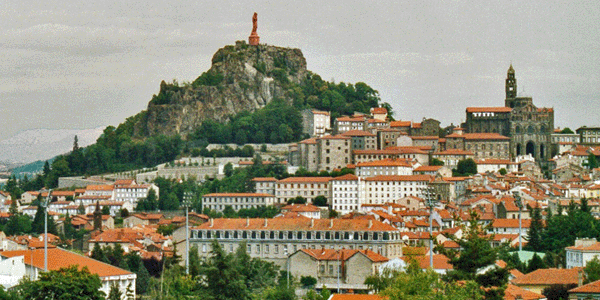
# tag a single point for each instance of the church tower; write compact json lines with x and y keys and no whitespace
{"x":511,"y":86}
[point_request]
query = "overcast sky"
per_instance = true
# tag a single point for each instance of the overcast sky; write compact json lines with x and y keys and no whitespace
{"x":77,"y":64}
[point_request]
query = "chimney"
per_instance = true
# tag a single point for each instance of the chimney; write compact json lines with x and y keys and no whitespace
{"x":247,"y":222}
{"x":330,"y":223}
{"x":312,"y":222}
{"x":370,"y":223}
{"x":211,"y":222}
{"x":265,"y":222}
{"x":580,"y":277}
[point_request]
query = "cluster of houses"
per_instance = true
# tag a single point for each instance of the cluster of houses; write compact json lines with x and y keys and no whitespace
{"x":118,"y":196}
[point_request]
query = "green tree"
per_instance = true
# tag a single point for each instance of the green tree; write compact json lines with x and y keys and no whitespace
{"x":320,"y":200}
{"x":592,"y":162}
{"x":114,"y":293}
{"x":534,"y":236}
{"x":436,"y":162}
{"x":308,"y":281}
{"x":65,"y":284}
{"x":228,"y":169}
{"x":558,"y":291}
{"x":476,"y":253}
{"x":466,"y":167}
{"x":592,"y":270}
{"x":567,"y":130}
{"x":502,"y":171}
{"x":535,"y":263}
{"x":143,"y":279}
{"x":427,"y":285}
{"x":69,"y":230}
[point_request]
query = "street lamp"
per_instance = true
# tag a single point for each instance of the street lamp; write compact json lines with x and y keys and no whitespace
{"x":187,"y":197}
{"x":287,"y":264}
{"x":431,"y":202}
{"x":519,"y":204}
{"x":44,"y":205}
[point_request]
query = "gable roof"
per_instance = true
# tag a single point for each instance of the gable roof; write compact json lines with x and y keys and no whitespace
{"x":549,"y":277}
{"x":296,"y":224}
{"x":60,"y":258}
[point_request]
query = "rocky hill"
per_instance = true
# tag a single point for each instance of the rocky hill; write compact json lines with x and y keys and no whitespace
{"x":241,"y":78}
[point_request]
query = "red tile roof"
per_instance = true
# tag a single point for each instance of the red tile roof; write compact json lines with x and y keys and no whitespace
{"x":345,"y":254}
{"x":388,"y":162}
{"x":379,"y":110}
{"x":305,"y":179}
{"x":514,"y":292}
{"x":400,"y":178}
{"x":297,"y":224}
{"x":501,"y":109}
{"x":59,"y":258}
{"x":478,"y":136}
{"x":358,"y":133}
{"x":590,"y":288}
{"x":238,"y":195}
{"x":549,"y":277}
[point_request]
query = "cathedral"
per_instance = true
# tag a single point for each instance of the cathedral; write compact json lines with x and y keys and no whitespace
{"x":527,"y":126}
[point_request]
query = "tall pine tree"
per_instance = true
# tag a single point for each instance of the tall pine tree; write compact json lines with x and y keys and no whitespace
{"x":534,"y":236}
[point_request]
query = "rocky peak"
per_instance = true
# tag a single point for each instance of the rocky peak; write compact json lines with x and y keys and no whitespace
{"x":242,"y":77}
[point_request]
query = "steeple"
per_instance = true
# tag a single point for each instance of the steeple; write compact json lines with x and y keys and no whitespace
{"x":511,"y":85}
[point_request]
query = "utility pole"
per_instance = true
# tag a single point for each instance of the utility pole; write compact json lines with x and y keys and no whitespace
{"x":44,"y":204}
{"x":287,"y":265}
{"x":519,"y":204}
{"x":431,"y":202}
{"x":187,"y":197}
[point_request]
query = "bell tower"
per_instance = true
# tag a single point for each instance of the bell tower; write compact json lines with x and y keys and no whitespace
{"x":511,"y":87}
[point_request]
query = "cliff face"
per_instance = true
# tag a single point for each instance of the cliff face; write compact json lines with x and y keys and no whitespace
{"x":242,"y":77}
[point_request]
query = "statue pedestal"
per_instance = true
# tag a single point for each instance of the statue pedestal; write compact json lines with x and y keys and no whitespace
{"x":253,"y":39}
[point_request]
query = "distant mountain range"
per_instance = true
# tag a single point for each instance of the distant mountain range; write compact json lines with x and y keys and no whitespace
{"x":42,"y":144}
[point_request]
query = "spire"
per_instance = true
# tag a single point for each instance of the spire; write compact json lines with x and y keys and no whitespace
{"x":511,"y":70}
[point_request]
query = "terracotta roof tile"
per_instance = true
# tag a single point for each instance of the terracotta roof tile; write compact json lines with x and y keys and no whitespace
{"x":549,"y":277}
{"x":590,"y":288}
{"x":514,"y":292}
{"x":59,"y":258}
{"x":489,"y":109}
{"x":297,"y":224}
{"x":358,"y":133}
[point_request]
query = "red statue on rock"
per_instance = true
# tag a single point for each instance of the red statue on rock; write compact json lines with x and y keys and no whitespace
{"x":254,"y":38}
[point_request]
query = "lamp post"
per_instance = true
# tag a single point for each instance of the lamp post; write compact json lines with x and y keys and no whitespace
{"x":431,"y":202}
{"x":519,"y":204}
{"x":44,"y":204}
{"x":287,"y":266}
{"x":187,"y":197}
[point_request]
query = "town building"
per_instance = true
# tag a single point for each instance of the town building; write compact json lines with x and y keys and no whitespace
{"x":315,"y":123}
{"x":528,"y":127}
{"x":589,"y":136}
{"x":30,"y":264}
{"x":384,"y":167}
{"x":275,"y":239}
{"x":361,"y":140}
{"x":345,"y":194}
{"x":584,"y":250}
{"x":342,"y":269}
{"x":345,"y":123}
{"x":334,"y":152}
{"x":385,"y":188}
{"x":306,"y":187}
{"x":237,"y":201}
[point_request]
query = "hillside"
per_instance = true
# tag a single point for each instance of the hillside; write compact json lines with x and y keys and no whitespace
{"x":241,"y":78}
{"x":251,"y":94}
